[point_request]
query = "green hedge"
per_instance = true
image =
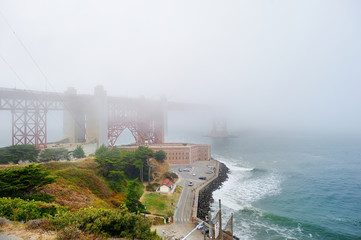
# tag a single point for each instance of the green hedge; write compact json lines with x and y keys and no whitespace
{"x":17,"y":209}
{"x":108,"y":222}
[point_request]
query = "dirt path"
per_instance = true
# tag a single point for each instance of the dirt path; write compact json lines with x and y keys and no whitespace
{"x":7,"y":236}
{"x":18,"y":231}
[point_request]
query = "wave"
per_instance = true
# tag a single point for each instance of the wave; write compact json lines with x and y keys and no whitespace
{"x":240,"y":169}
{"x":261,"y":170}
{"x":245,"y":187}
{"x":252,"y":223}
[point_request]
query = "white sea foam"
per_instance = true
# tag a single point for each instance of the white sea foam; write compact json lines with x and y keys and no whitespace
{"x":241,"y":189}
{"x":244,"y":187}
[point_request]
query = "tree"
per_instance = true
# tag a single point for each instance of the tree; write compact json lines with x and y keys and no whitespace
{"x":142,"y":155}
{"x":133,"y":195}
{"x":79,"y":152}
{"x":160,"y":156}
{"x":25,"y":181}
{"x":102,"y":149}
{"x":54,"y":154}
{"x":18,"y":153}
{"x":118,"y":180}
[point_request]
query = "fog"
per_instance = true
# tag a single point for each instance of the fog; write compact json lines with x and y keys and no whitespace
{"x":274,"y":64}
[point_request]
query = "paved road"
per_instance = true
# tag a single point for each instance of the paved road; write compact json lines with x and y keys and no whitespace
{"x":183,"y":212}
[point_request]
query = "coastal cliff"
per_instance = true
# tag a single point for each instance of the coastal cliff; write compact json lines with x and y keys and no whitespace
{"x":205,"y":198}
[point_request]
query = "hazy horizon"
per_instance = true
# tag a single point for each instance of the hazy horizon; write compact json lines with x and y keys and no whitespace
{"x":269,"y":65}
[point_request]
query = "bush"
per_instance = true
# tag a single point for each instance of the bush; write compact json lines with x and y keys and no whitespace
{"x":21,"y":210}
{"x":152,"y":188}
{"x":3,"y":221}
{"x":54,"y":154}
{"x":78,"y":152}
{"x":25,"y":181}
{"x":116,"y":223}
{"x":170,"y":175}
{"x":42,"y":223}
{"x":69,"y":233}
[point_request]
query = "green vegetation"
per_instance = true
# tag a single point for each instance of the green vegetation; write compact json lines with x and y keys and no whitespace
{"x":134,"y":192}
{"x":82,"y":178}
{"x":14,"y":154}
{"x":117,"y":165}
{"x":54,"y":154}
{"x":25,"y":182}
{"x":21,"y":210}
{"x":162,"y":204}
{"x":152,"y":187}
{"x":171,"y":175}
{"x":78,"y":152}
{"x":102,"y":194}
{"x":107,"y":222}
{"x":160,"y":156}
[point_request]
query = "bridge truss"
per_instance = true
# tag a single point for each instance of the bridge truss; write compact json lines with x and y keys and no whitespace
{"x":143,"y":119}
{"x":29,"y":114}
{"x":29,"y":111}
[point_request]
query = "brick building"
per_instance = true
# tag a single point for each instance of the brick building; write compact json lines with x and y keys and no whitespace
{"x":179,"y":153}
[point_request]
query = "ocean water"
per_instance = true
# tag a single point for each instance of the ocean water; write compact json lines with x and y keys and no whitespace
{"x":290,"y":186}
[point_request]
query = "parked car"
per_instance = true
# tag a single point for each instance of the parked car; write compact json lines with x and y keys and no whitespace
{"x":202,"y":178}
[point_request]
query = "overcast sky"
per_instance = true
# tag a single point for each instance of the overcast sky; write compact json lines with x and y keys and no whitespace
{"x":273,"y":62}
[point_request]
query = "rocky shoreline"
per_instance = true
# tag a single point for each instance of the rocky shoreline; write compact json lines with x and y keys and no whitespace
{"x":205,"y":198}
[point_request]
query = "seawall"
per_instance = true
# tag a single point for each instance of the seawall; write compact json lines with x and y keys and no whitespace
{"x":205,"y":198}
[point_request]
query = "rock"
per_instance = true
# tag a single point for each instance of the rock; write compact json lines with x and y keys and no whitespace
{"x":205,"y":198}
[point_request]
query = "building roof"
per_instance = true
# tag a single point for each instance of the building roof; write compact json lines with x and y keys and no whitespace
{"x":166,"y":145}
{"x":167,"y":182}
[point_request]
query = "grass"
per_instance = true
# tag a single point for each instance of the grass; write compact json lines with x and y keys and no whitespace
{"x":81,"y":178}
{"x":80,"y":175}
{"x":161,"y":204}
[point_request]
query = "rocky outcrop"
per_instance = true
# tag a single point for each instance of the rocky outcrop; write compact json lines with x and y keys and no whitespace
{"x":205,"y":198}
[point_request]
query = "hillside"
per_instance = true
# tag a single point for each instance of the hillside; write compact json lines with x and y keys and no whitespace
{"x":78,"y":185}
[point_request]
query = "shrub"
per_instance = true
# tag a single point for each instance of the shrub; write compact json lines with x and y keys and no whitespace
{"x":118,"y":199}
{"x":42,"y":223}
{"x":22,"y":182}
{"x":152,"y":187}
{"x":3,"y":221}
{"x":116,"y":223}
{"x":21,"y":210}
{"x":69,"y":233}
{"x":54,"y":154}
{"x":78,"y":152}
{"x":170,"y":175}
